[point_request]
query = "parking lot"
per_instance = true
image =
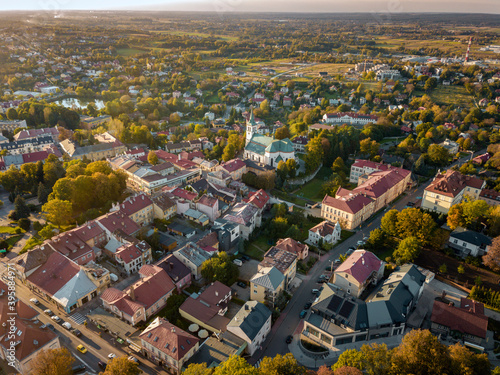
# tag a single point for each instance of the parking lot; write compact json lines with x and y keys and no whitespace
{"x":248,"y":269}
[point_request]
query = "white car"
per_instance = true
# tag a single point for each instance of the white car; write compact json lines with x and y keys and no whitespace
{"x":361,"y":243}
{"x":111,"y":355}
{"x":55,"y":318}
{"x":66,"y":325}
{"x":34,"y":301}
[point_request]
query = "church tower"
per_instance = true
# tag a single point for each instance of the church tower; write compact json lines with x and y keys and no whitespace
{"x":251,"y":127}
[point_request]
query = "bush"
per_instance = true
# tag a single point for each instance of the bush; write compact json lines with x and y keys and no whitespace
{"x":18,"y":230}
{"x":37,"y":226}
{"x":25,"y":224}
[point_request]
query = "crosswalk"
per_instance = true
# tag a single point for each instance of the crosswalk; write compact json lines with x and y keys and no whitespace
{"x":78,"y":318}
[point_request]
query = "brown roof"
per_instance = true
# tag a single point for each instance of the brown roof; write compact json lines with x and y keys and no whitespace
{"x":324,"y":228}
{"x":360,"y":265}
{"x":88,"y":231}
{"x":210,"y":239}
{"x":233,"y":165}
{"x":168,"y":338}
{"x":462,"y":319}
{"x":134,"y":204}
{"x":380,"y":182}
{"x":490,"y":194}
{"x":174,"y":268}
{"x":279,"y":258}
{"x":452,"y":183}
{"x":32,"y":259}
{"x":207,"y":201}
{"x":210,"y":306}
{"x":70,"y":245}
{"x":118,"y":220}
{"x":351,"y":204}
{"x":290,"y":245}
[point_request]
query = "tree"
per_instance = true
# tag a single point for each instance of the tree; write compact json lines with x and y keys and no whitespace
{"x":291,"y":166}
{"x":314,"y":154}
{"x":235,"y":365}
{"x":438,"y":155}
{"x":389,"y":223}
{"x":324,"y":370}
{"x":152,"y":158}
{"x":407,"y":251}
{"x":282,"y":133}
{"x":350,"y":357}
{"x":281,"y":365}
{"x":461,"y":269}
{"x":52,"y":362}
{"x":420,"y":353}
{"x":21,"y":210}
{"x":414,"y":223}
{"x":122,"y":366}
{"x":455,"y":217}
{"x":24,"y":224}
{"x":465,"y":362}
{"x":58,"y":212}
{"x":492,"y":258}
{"x":376,"y":359}
{"x":197,"y":369}
{"x":220,"y":268}
{"x":229,"y":152}
{"x":443,"y":268}
{"x":369,"y":147}
{"x":347,"y":370}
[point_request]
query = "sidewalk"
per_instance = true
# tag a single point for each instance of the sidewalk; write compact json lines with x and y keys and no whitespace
{"x":333,"y":355}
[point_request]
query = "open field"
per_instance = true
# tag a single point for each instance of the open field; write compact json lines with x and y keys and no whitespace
{"x":130,"y":51}
{"x":332,"y":69}
{"x":449,"y":95}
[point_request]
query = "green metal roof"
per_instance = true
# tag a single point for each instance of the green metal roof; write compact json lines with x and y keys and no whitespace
{"x":284,"y":145}
{"x":258,"y":144}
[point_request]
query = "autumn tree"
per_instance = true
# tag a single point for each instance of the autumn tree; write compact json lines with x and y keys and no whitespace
{"x":281,"y":365}
{"x":376,"y":359}
{"x":347,"y":370}
{"x":369,"y":147}
{"x":420,"y":353}
{"x":152,"y":158}
{"x":58,"y":212}
{"x":52,"y":362}
{"x":324,"y":370}
{"x":122,"y":366}
{"x":351,"y":358}
{"x":235,"y":365}
{"x":492,"y":258}
{"x":465,"y":362}
{"x":220,"y":268}
{"x":412,"y":222}
{"x":197,"y":369}
{"x":282,"y":133}
{"x":407,"y":251}
{"x":389,"y":223}
{"x":438,"y":155}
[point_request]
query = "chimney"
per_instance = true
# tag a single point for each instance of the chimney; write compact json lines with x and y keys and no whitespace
{"x":132,"y":293}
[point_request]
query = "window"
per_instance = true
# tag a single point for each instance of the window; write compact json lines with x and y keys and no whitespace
{"x":255,"y":291}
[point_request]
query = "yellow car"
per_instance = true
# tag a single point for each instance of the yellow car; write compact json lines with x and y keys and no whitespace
{"x":82,"y":349}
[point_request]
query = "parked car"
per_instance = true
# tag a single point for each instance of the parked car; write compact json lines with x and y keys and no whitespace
{"x":76,"y":332}
{"x":321,"y":281}
{"x":238,"y":262}
{"x":78,"y":368}
{"x":67,"y":326}
{"x":50,"y":326}
{"x":361,"y":243}
{"x":289,"y":339}
{"x":352,"y":248}
{"x":338,"y":261}
{"x":34,"y":301}
{"x":111,"y":355}
{"x":246,"y":258}
{"x":315,"y":291}
{"x":307,"y":305}
{"x":134,"y":359}
{"x":81,"y":349}
{"x":241,"y":284}
{"x":56,"y":318}
{"x":101,"y":365}
{"x":303,"y":314}
{"x":349,"y":252}
{"x":48,"y":312}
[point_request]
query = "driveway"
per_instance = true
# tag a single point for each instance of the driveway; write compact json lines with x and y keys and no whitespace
{"x":248,"y":269}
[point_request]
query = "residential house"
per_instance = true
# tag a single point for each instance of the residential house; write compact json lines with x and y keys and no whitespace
{"x":246,"y":216}
{"x":259,"y":199}
{"x":299,"y":143}
{"x":144,"y":298}
{"x":35,"y":133}
{"x":465,"y":242}
{"x":365,"y":167}
{"x":209,"y":243}
{"x":163,"y":207}
{"x":359,"y":270}
{"x":450,"y":188}
{"x":283,"y":261}
{"x":252,"y":323}
{"x":95,"y":152}
{"x":450,"y":146}
{"x":192,"y":256}
{"x":208,"y":308}
{"x":209,"y":206}
{"x":294,"y":247}
{"x":138,"y":207}
{"x":168,"y":345}
{"x":228,"y":234}
{"x":178,"y":272}
{"x":236,"y":168}
{"x":219,"y":177}
{"x":133,"y":255}
{"x":326,"y":232}
{"x":266,"y":285}
{"x":490,"y":196}
{"x":466,"y":322}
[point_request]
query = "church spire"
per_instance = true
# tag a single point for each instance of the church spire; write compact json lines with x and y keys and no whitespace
{"x":251,"y":119}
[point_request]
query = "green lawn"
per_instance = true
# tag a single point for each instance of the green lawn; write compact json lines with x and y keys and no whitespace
{"x":288,"y":197}
{"x":9,"y":230}
{"x":129,"y":51}
{"x":312,"y":190}
{"x":13,"y":240}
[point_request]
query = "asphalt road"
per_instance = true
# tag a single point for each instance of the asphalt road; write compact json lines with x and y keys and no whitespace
{"x":98,"y":348}
{"x":275,"y":344}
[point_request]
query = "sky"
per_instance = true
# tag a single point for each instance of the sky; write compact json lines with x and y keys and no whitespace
{"x":323,"y":6}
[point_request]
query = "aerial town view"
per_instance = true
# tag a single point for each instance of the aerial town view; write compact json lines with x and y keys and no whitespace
{"x":237,"y":187}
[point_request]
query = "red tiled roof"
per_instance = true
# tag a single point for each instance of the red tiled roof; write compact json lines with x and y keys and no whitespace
{"x":168,"y":338}
{"x":259,"y":198}
{"x":347,"y":203}
{"x":184,"y":194}
{"x":452,"y":183}
{"x":134,"y":204}
{"x":54,"y":274}
{"x":210,"y":240}
{"x":490,"y":194}
{"x":70,"y":245}
{"x":167,"y":156}
{"x":361,"y":163}
{"x":118,"y":220}
{"x":233,"y":165}
{"x":352,"y":115}
{"x":128,"y":253}
{"x":360,"y":265}
{"x":471,"y":320}
{"x":324,"y":228}
{"x":290,"y":245}
{"x":207,"y":201}
{"x":88,"y":231}
{"x":380,"y":182}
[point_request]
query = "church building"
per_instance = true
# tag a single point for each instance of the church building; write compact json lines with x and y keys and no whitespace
{"x":266,"y":150}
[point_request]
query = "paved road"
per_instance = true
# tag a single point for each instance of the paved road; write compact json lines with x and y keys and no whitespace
{"x":98,"y":348}
{"x":289,"y":320}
